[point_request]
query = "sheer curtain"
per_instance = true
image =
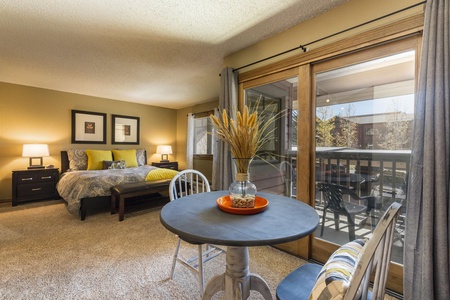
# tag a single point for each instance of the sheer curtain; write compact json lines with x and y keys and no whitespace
{"x":228,"y":99}
{"x":427,"y":238}
{"x":190,"y":142}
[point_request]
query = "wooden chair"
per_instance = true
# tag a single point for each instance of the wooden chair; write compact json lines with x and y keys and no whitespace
{"x":334,"y":201}
{"x":186,"y":183}
{"x":373,"y":257}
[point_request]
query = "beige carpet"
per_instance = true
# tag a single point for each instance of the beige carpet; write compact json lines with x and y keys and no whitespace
{"x":47,"y":253}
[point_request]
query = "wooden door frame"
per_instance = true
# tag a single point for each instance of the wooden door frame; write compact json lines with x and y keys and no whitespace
{"x":395,"y":36}
{"x":321,"y":249}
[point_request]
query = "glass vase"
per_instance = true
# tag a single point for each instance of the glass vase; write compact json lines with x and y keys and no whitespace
{"x":242,"y":191}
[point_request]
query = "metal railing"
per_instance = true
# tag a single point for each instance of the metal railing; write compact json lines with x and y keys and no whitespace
{"x":369,"y":172}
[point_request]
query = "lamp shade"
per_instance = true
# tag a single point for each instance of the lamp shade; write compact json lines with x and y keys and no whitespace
{"x":164,"y":149}
{"x":35,"y":150}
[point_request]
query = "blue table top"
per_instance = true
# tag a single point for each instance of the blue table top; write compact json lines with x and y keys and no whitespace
{"x":198,"y":219}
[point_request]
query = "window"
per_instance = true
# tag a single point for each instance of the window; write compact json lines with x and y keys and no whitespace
{"x":369,"y":131}
{"x":274,"y":168}
{"x":202,"y":134}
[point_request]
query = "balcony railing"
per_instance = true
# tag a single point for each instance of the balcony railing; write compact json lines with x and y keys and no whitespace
{"x":369,"y":172}
{"x":379,"y":173}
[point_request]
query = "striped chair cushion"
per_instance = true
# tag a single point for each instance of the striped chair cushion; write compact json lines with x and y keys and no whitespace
{"x":335,"y":276}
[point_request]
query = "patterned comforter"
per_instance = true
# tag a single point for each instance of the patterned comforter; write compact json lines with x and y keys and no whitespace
{"x":76,"y":185}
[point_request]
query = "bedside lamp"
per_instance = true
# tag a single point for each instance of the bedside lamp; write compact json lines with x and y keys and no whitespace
{"x":35,"y":151}
{"x":164,"y":150}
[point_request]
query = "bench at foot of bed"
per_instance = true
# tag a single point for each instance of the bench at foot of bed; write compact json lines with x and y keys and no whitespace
{"x":121,"y":192}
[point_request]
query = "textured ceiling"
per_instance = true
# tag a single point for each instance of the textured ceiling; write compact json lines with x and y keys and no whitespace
{"x":162,"y":52}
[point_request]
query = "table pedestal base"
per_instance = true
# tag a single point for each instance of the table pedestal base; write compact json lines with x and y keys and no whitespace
{"x":237,"y":281}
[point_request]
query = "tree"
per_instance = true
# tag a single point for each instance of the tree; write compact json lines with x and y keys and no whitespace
{"x":347,"y":133}
{"x":324,"y":127}
{"x":396,"y":134}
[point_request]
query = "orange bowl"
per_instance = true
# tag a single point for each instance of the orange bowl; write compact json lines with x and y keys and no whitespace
{"x":224,"y":204}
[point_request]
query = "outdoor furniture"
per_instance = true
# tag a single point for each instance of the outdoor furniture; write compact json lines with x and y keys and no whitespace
{"x":357,"y":265}
{"x":334,"y":201}
{"x":289,"y":178}
{"x":189,"y":182}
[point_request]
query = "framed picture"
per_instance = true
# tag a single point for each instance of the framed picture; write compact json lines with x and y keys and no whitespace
{"x":88,"y":127}
{"x":125,"y":130}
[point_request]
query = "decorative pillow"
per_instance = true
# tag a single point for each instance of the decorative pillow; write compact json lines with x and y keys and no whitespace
{"x":140,"y":157}
{"x":114,"y":164}
{"x":129,"y":156}
{"x":77,"y":159}
{"x":96,"y":158}
{"x":160,"y":173}
{"x":335,"y":276}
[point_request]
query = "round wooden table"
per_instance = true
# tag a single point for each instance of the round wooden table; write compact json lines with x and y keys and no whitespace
{"x":198,"y":219}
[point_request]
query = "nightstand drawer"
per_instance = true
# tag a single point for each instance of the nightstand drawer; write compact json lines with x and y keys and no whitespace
{"x":35,"y":177}
{"x":36,"y":189}
{"x":26,"y":178}
{"x":45,"y":177}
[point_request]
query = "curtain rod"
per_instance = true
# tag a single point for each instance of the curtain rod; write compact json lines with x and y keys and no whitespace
{"x":303,"y":47}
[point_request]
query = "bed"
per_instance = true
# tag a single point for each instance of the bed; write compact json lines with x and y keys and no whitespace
{"x":81,"y":187}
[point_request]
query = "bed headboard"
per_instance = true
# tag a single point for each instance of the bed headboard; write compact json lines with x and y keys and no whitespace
{"x":65,"y":160}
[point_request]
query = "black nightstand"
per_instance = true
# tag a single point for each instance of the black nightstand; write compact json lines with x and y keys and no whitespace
{"x":34,"y":184}
{"x":173,"y":165}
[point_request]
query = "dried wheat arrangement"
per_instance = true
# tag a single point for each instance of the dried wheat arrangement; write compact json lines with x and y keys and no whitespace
{"x":244,"y":136}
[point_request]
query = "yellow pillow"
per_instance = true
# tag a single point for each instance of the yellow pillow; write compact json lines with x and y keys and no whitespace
{"x":96,"y":158}
{"x":129,"y":156}
{"x":159,"y":174}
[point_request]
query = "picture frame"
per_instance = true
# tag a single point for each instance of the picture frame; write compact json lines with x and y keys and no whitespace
{"x":125,"y":130}
{"x":88,"y":127}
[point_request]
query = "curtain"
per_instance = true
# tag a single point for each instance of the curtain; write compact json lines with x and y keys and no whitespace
{"x":228,"y":99}
{"x":427,"y":237}
{"x":190,"y":142}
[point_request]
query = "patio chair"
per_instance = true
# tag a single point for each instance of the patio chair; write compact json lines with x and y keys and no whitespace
{"x":346,"y":275}
{"x":289,"y":178}
{"x":334,"y":201}
{"x":186,"y":183}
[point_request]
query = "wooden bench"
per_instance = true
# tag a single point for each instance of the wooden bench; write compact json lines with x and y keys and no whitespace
{"x":121,"y":192}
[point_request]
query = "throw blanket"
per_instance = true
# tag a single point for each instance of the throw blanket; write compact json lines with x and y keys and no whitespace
{"x":76,"y":185}
{"x":160,"y":174}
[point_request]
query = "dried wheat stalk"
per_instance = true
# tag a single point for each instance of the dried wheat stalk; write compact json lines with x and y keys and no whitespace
{"x":244,"y":136}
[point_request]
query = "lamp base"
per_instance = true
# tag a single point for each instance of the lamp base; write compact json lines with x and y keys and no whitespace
{"x":36,"y":167}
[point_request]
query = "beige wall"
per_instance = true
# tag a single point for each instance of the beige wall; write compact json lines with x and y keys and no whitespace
{"x":345,"y":16}
{"x":34,"y":115}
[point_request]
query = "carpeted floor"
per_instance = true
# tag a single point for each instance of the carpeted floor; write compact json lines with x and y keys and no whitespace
{"x":47,"y":253}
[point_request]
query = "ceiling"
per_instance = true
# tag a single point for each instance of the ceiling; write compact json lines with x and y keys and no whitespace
{"x":165,"y":53}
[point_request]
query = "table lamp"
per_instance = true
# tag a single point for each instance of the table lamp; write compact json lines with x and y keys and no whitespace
{"x":164,"y":150}
{"x":34,"y":152}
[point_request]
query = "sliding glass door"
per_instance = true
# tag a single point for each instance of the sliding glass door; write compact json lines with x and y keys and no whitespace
{"x":274,"y":168}
{"x":347,"y":121}
{"x":364,"y":112}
